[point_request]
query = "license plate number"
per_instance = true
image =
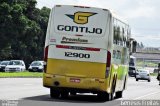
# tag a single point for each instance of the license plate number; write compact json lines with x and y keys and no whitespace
{"x":75,"y":80}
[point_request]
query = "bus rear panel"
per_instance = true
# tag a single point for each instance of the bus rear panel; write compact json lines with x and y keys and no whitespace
{"x":78,"y":50}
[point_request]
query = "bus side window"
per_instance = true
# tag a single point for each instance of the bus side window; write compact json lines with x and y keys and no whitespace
{"x":114,"y":53}
{"x":118,"y":54}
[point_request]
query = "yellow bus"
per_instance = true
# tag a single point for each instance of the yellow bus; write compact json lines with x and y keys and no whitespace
{"x":86,"y":51}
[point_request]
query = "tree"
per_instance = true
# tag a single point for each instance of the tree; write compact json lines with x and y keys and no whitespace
{"x":5,"y":21}
{"x":22,"y":30}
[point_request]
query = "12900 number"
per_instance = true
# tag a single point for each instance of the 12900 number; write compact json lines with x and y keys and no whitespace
{"x":78,"y":55}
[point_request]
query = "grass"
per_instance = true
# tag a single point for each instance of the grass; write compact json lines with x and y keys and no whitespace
{"x":148,"y":64}
{"x":20,"y":74}
{"x":27,"y":74}
{"x":154,"y":74}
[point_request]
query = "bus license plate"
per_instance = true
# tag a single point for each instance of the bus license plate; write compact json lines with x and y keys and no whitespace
{"x":75,"y":80}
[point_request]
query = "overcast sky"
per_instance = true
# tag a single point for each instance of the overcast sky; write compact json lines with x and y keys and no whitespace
{"x":142,"y":15}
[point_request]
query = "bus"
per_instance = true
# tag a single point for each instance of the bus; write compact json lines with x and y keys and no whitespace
{"x":132,"y":66}
{"x":132,"y":61}
{"x":86,"y":51}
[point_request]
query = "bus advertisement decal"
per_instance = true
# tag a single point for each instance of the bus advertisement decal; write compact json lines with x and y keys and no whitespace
{"x":74,"y":40}
{"x":80,"y":17}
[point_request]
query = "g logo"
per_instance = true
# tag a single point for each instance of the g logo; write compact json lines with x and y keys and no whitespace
{"x":81,"y":17}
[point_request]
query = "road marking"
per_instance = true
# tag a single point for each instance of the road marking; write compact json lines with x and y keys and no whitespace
{"x":146,"y":95}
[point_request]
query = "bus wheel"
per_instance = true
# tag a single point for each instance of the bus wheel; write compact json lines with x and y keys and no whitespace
{"x":113,"y":90}
{"x":124,"y":85}
{"x":73,"y":93}
{"x":119,"y":94}
{"x":54,"y":93}
{"x":104,"y":96}
{"x":64,"y":94}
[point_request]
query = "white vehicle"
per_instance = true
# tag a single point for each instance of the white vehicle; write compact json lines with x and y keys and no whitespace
{"x":3,"y":64}
{"x":36,"y":66}
{"x":143,"y":74}
{"x":15,"y":65}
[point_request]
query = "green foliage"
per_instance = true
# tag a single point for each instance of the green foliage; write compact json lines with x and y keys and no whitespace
{"x":22,"y":30}
{"x":146,"y":63}
{"x":20,"y":74}
{"x":154,"y":74}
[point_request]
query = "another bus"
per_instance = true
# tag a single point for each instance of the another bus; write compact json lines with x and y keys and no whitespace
{"x":86,"y":51}
{"x":132,"y":66}
{"x":132,"y":61}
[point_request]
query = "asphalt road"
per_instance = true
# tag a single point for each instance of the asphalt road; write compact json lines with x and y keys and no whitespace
{"x":30,"y":90}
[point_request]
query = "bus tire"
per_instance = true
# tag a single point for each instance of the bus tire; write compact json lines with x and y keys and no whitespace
{"x":54,"y":93}
{"x":108,"y":96}
{"x":64,"y":94}
{"x":112,"y":93}
{"x":119,"y":94}
{"x":73,"y":93}
{"x":124,"y":85}
{"x":113,"y":88}
{"x":104,"y":96}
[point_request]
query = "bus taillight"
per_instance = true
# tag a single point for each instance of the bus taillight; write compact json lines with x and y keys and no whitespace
{"x":45,"y":58}
{"x":108,"y":63}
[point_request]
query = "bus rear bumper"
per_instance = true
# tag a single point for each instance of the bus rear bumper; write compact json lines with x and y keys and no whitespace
{"x":72,"y":83}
